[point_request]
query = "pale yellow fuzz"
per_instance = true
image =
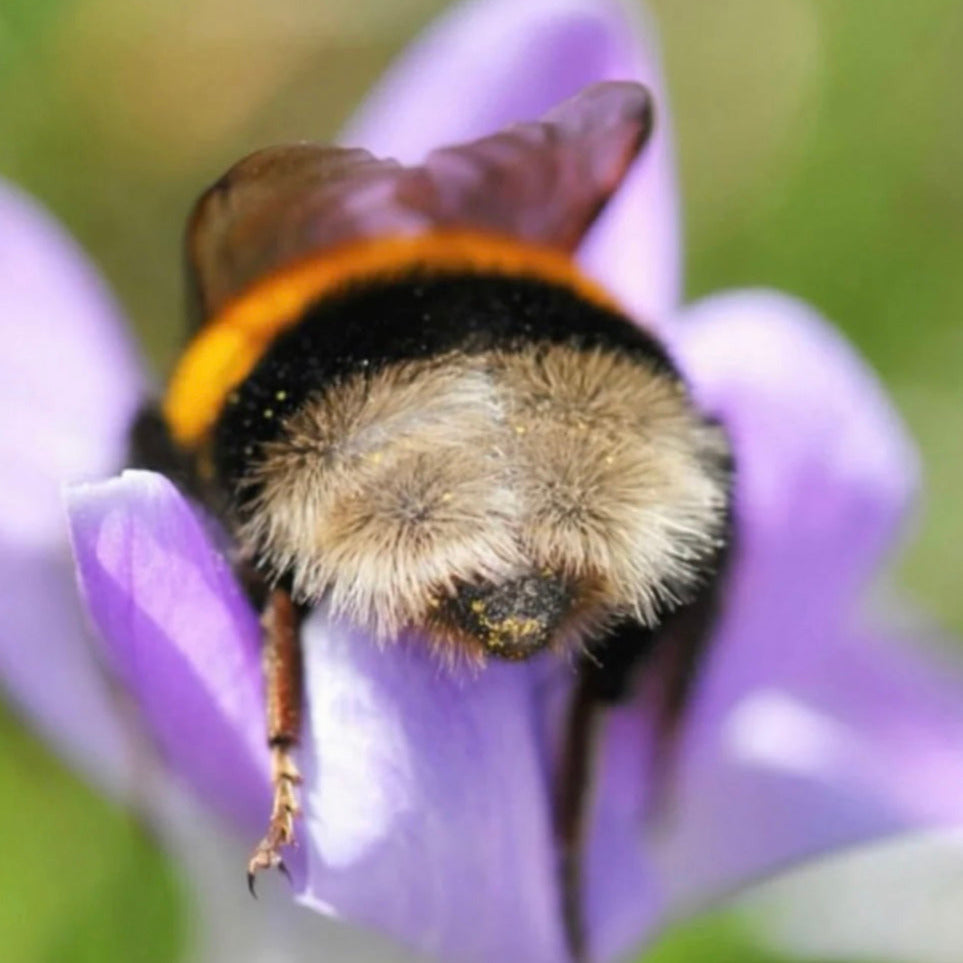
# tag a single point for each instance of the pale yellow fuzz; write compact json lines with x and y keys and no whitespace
{"x":384,"y":492}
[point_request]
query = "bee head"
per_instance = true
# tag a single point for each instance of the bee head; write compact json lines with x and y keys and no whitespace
{"x":510,"y":620}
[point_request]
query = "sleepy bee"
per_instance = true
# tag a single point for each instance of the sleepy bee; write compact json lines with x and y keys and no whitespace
{"x":404,"y":400}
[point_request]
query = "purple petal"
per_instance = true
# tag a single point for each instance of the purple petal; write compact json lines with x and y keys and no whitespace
{"x":48,"y":669}
{"x":406,"y":767}
{"x":489,"y":64}
{"x":178,"y":634}
{"x":427,"y":802}
{"x":808,"y":734}
{"x":69,"y":381}
{"x":68,"y":385}
{"x":226,"y":924}
{"x":825,"y":470}
{"x":425,"y":797}
{"x":624,"y":901}
{"x":866,"y":744}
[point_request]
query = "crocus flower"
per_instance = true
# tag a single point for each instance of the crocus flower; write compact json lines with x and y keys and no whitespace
{"x":427,"y":795}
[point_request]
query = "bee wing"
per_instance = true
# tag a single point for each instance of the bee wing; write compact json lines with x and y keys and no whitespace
{"x":543,"y":182}
{"x":282,"y":203}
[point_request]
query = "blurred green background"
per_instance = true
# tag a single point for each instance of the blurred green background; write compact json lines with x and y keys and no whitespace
{"x":821,"y":149}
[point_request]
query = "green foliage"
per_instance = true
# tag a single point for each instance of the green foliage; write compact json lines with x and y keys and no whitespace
{"x":714,"y":938}
{"x":81,"y":880}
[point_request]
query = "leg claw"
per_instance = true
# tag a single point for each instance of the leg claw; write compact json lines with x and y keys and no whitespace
{"x":285,"y":777}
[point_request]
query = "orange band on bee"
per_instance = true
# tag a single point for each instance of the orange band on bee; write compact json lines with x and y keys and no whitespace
{"x":226,"y":350}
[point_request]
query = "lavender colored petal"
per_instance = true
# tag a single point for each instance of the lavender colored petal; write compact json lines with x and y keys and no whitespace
{"x":826,"y":470}
{"x":426,"y":801}
{"x":178,"y":634}
{"x":226,"y":924}
{"x":47,"y":667}
{"x":809,"y":732}
{"x":68,"y":385}
{"x":490,"y":63}
{"x":69,"y":380}
{"x":865,"y":745}
{"x":624,"y":901}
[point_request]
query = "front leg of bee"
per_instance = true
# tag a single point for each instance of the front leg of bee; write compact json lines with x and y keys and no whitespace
{"x":281,"y":621}
{"x":152,"y":447}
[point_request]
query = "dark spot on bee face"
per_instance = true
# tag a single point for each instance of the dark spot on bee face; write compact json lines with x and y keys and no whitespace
{"x":512,"y":620}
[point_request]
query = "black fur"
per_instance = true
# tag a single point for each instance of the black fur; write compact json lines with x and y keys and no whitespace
{"x":377,"y":323}
{"x":151,"y":446}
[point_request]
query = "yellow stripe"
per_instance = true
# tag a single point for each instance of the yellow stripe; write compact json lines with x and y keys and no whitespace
{"x":226,"y":350}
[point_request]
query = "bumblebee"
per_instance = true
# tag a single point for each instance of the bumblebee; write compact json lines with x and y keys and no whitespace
{"x":405,"y":401}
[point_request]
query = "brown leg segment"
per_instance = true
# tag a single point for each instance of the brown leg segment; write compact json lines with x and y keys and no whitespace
{"x":671,"y":655}
{"x":572,"y":803}
{"x":281,"y":621}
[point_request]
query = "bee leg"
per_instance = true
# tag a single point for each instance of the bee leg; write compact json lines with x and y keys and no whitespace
{"x":572,"y":805}
{"x":605,"y":677}
{"x":281,"y":620}
{"x":670,"y":656}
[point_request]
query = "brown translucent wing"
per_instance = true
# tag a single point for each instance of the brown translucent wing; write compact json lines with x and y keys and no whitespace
{"x":543,"y":182}
{"x":282,"y":203}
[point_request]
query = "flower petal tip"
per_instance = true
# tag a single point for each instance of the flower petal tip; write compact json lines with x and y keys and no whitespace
{"x":178,"y":633}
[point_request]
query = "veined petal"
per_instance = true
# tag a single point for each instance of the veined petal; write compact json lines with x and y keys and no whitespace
{"x":427,"y":800}
{"x":624,"y":903}
{"x":808,"y":733}
{"x":426,"y":809}
{"x":490,"y":63}
{"x":179,"y":634}
{"x":184,"y":643}
{"x":69,"y":383}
